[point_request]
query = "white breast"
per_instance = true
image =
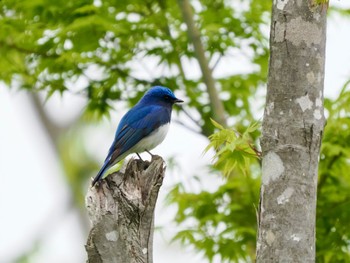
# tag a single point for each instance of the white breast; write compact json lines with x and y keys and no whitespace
{"x":152,"y":140}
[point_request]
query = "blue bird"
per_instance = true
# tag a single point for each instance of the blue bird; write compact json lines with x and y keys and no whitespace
{"x":142,"y":128}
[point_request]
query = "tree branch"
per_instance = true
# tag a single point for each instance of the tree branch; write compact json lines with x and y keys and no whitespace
{"x":54,"y":132}
{"x":121,"y":209}
{"x":12,"y":45}
{"x":194,"y":36}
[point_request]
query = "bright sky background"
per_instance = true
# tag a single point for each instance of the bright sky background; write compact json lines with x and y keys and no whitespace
{"x":33,"y":198}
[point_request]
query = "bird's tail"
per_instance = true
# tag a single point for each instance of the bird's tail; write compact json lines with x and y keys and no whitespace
{"x":100,"y":174}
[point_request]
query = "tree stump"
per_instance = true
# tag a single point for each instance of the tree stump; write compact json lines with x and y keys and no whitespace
{"x":121,"y":209}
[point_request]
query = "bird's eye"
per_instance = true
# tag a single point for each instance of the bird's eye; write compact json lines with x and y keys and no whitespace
{"x":167,"y":97}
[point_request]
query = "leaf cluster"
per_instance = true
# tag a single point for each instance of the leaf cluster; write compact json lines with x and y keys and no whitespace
{"x":233,"y":150}
{"x":222,"y":224}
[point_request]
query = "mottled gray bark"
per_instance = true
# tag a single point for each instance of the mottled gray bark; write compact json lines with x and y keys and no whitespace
{"x":292,"y":131}
{"x":121,"y":209}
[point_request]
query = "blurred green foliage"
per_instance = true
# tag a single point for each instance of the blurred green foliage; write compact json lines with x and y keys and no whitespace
{"x":109,"y":51}
{"x":333,"y":214}
{"x":55,"y":46}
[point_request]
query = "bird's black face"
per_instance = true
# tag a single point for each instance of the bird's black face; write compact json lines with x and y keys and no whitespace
{"x":171,"y":99}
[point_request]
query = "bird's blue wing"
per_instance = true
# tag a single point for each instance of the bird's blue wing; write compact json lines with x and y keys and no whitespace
{"x":138,"y":123}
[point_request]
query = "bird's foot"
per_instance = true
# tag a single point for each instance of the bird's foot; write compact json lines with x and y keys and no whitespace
{"x":139,"y":156}
{"x":96,"y":185}
{"x":149,"y":153}
{"x":100,"y":183}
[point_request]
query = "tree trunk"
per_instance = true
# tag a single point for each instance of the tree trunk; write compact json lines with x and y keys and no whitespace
{"x":292,"y":132}
{"x":121,"y":209}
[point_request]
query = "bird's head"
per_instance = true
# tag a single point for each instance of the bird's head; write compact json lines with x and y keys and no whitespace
{"x":160,"y":95}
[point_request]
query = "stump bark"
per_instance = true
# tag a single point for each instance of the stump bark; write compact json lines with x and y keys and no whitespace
{"x":121,"y":210}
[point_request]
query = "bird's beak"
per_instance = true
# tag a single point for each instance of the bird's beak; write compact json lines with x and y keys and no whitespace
{"x":178,"y":101}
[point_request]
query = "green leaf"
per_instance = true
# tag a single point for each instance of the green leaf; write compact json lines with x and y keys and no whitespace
{"x":216,"y":124}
